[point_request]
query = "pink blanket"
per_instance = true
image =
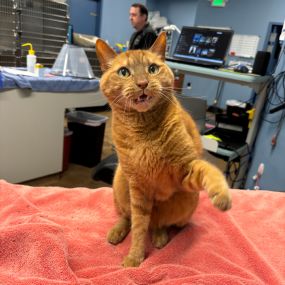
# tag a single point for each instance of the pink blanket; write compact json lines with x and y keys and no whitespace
{"x":52,"y":235}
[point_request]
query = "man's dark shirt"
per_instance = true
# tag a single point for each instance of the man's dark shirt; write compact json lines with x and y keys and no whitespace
{"x":143,"y":39}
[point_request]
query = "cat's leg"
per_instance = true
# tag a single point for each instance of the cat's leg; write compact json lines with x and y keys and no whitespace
{"x":159,"y":237}
{"x":122,"y":203}
{"x":204,"y":176}
{"x":175,"y":211}
{"x":141,"y":207}
{"x":119,"y":231}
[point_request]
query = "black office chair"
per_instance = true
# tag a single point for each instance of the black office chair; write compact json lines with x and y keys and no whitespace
{"x":105,"y":170}
{"x":197,"y":108}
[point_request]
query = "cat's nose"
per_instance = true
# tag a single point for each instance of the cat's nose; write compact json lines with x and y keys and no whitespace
{"x":142,"y":83}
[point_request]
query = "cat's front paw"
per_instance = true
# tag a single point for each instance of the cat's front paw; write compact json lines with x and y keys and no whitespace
{"x":131,"y":261}
{"x":117,"y":234}
{"x":222,"y":200}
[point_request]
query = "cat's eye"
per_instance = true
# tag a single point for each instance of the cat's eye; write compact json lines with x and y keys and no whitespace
{"x":124,"y":72}
{"x":153,"y":69}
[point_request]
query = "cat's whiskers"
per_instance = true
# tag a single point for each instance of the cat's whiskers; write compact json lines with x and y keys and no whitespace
{"x":175,"y":88}
{"x":126,"y":102}
{"x":174,"y":92}
{"x":117,"y":99}
{"x":178,"y":93}
{"x":131,"y":103}
{"x":167,"y":98}
{"x":128,"y":89}
{"x":128,"y":93}
{"x":164,"y":93}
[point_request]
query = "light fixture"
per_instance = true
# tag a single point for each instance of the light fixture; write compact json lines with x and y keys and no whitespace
{"x":218,"y":3}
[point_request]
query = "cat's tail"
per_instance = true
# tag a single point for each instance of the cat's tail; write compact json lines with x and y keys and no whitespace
{"x":204,"y":176}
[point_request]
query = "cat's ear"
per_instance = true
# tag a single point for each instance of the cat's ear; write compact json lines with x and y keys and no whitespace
{"x":105,"y":54}
{"x":159,"y":45}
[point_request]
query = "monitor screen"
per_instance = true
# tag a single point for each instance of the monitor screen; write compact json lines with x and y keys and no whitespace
{"x":203,"y":46}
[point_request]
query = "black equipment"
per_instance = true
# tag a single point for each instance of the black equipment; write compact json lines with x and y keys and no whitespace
{"x":261,"y":62}
{"x":203,"y":45}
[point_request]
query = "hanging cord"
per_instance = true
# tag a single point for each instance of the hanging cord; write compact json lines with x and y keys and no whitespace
{"x":257,"y":176}
{"x":279,"y":126}
{"x":234,"y":166}
{"x":275,"y":102}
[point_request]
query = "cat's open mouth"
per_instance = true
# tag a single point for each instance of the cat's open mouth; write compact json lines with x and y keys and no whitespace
{"x":142,"y":99}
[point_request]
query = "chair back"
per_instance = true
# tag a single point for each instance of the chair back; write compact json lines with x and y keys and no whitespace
{"x":197,"y":108}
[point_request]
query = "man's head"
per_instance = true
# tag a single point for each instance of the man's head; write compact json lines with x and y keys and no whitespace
{"x":138,"y":16}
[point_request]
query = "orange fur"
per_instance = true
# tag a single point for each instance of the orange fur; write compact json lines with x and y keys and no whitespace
{"x":160,"y":170}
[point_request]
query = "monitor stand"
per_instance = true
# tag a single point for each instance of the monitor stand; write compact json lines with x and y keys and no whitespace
{"x":214,"y":108}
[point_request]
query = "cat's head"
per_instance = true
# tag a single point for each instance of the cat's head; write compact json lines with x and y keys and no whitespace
{"x":137,"y":79}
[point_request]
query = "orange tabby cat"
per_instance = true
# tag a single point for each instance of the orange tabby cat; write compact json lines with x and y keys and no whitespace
{"x":160,"y":171}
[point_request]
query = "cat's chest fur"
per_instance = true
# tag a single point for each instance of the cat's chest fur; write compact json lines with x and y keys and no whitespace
{"x":153,"y":169}
{"x":151,"y":155}
{"x":141,"y":154}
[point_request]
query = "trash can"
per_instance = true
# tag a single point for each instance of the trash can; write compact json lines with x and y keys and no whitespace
{"x":66,"y":148}
{"x":87,"y":139}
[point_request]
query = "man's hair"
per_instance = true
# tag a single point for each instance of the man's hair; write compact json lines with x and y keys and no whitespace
{"x":143,"y":9}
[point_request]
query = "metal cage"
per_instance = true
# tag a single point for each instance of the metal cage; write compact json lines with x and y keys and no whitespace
{"x":41,"y":22}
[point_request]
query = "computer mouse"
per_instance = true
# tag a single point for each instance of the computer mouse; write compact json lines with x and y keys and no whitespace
{"x":241,"y":68}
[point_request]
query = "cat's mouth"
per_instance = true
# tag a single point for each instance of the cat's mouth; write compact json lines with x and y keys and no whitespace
{"x":142,"y":99}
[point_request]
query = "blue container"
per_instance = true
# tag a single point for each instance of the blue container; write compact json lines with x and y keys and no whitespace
{"x":1,"y":81}
{"x":70,"y":34}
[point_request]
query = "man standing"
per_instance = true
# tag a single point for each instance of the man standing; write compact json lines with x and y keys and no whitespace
{"x":144,"y":36}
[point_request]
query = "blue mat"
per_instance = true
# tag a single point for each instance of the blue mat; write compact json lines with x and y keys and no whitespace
{"x":50,"y":84}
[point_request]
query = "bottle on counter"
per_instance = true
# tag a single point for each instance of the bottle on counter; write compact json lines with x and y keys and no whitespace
{"x":39,"y":70}
{"x":70,"y":34}
{"x":31,"y":58}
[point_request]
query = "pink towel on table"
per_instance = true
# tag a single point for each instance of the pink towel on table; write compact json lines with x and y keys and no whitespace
{"x":57,"y":236}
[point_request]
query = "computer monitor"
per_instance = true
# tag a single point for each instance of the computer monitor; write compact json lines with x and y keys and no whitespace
{"x":203,"y":45}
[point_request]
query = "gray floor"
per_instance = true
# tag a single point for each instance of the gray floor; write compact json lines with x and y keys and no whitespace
{"x":74,"y":176}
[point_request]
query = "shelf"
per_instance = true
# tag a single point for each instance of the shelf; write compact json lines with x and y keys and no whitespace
{"x":250,"y":80}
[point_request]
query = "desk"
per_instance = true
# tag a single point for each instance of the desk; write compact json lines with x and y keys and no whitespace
{"x":256,"y":82}
{"x":32,"y":130}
